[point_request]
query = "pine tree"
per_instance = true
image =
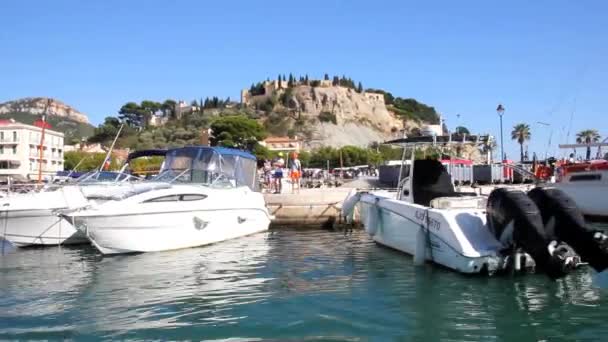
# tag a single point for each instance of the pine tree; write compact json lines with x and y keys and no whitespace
{"x":336,"y":81}
{"x":306,"y":79}
{"x":360,"y":88}
{"x":326,"y":77}
{"x":291,"y":80}
{"x":279,"y":79}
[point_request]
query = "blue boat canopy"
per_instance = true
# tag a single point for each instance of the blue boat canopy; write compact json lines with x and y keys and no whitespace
{"x":213,"y":166}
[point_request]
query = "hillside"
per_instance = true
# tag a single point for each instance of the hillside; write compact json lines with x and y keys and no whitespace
{"x":328,"y":113}
{"x":62,"y":117}
{"x":41,"y":105}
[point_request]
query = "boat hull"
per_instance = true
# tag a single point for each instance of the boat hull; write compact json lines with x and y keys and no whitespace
{"x":457,"y":240}
{"x":160,"y":231}
{"x":588,"y":198}
{"x":39,"y":227}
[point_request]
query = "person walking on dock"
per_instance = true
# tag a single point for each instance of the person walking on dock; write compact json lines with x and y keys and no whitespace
{"x":295,"y":172}
{"x":278,"y":173}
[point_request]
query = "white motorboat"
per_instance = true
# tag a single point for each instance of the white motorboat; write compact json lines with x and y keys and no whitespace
{"x":509,"y":230}
{"x":587,"y":184}
{"x":30,"y":218}
{"x":208,"y":197}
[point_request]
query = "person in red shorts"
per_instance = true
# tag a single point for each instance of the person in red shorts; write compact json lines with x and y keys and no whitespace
{"x":295,"y":172}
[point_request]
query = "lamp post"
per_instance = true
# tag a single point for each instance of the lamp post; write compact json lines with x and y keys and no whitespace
{"x":501,"y":110}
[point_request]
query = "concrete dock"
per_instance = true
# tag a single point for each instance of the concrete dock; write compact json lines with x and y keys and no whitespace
{"x":318,"y":207}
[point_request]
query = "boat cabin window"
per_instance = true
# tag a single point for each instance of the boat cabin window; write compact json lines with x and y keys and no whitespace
{"x":171,"y":198}
{"x":175,"y":198}
{"x":192,"y":197}
{"x":591,"y":177}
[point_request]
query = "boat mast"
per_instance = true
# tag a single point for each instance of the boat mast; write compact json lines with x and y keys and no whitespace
{"x":111,"y":148}
{"x":48,"y":102}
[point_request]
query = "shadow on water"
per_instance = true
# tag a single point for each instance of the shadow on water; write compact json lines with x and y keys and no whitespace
{"x":282,"y":284}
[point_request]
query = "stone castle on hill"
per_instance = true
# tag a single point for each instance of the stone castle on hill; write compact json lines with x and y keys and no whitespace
{"x":271,"y":87}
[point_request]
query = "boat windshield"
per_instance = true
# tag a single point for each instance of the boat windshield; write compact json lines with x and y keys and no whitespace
{"x":217,"y":167}
{"x":103,"y":176}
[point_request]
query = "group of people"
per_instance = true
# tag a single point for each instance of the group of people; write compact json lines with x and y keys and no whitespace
{"x":274,"y":171}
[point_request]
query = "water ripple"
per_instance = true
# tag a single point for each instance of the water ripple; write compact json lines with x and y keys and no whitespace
{"x":304,"y":284}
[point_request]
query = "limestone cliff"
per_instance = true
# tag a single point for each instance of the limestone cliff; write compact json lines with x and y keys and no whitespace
{"x":38,"y":105}
{"x":333,"y":115}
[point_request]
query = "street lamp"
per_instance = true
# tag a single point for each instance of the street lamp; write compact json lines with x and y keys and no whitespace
{"x":501,"y":110}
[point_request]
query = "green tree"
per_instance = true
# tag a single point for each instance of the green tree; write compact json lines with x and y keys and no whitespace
{"x":521,"y":133}
{"x":462,"y":130}
{"x":106,"y":132}
{"x":87,"y":161}
{"x":335,"y":81}
{"x":236,"y":131}
{"x":326,"y":77}
{"x":132,"y":114}
{"x":588,"y":136}
{"x":290,"y":83}
{"x":149,"y":108}
{"x":359,"y":88}
{"x":168,"y":108}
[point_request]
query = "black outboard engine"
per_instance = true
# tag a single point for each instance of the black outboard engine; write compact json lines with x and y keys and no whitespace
{"x":564,"y":221}
{"x":507,"y":207}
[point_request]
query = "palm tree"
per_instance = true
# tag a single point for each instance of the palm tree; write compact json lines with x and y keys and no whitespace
{"x":521,"y":133}
{"x":587,"y":136}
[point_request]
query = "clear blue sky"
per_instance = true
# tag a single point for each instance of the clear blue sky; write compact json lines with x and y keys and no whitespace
{"x":541,"y":59}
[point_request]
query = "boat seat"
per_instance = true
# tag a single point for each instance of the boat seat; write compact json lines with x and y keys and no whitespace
{"x":464,"y":202}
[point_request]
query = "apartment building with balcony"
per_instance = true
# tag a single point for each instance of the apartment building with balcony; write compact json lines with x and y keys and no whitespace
{"x":20,"y":150}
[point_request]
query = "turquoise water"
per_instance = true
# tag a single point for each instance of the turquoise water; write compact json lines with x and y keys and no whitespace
{"x":285,"y":284}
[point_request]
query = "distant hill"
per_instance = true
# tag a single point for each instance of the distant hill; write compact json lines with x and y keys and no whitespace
{"x":334,"y":112}
{"x":62,"y":117}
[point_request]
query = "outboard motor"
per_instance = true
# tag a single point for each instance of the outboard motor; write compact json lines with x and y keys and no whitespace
{"x":564,"y":221}
{"x":508,"y":209}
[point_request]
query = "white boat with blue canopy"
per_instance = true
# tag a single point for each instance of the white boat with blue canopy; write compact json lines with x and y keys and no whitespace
{"x":202,"y":195}
{"x":507,"y":231}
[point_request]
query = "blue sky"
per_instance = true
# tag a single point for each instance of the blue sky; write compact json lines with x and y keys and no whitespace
{"x":543,"y":60}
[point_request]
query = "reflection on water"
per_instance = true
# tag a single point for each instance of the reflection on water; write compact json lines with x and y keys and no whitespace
{"x":284,"y":284}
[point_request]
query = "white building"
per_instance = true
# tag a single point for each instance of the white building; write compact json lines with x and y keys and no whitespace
{"x":20,"y":150}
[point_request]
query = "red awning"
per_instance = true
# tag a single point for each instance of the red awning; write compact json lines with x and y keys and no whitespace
{"x":41,"y":124}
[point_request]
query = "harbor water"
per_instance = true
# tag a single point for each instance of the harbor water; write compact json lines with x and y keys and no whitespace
{"x":284,"y":284}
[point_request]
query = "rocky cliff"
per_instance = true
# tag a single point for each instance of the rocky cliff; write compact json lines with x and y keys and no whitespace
{"x":333,"y":115}
{"x":40,"y":105}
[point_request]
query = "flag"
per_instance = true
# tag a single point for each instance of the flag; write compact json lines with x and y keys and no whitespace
{"x":106,"y":164}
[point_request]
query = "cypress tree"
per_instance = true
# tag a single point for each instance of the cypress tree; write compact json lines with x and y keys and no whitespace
{"x":326,"y":77}
{"x":360,"y":88}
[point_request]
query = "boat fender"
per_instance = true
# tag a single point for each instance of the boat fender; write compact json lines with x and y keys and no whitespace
{"x":349,"y":204}
{"x":373,"y":219}
{"x":421,"y":242}
{"x":506,"y":206}
{"x":565,"y":222}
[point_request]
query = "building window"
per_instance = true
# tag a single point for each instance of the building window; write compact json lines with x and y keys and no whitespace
{"x":1,"y":136}
{"x":14,"y":149}
{"x":14,"y":136}
{"x":1,"y":149}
